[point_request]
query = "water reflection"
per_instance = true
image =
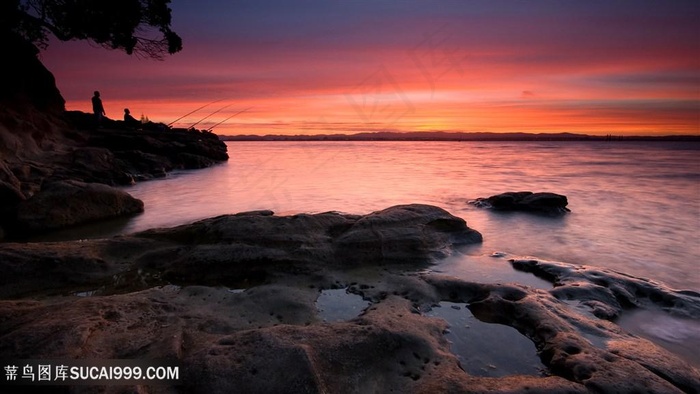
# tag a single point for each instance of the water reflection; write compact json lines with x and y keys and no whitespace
{"x":339,"y":305}
{"x":635,"y":207}
{"x":483,"y":268}
{"x":486,"y":349}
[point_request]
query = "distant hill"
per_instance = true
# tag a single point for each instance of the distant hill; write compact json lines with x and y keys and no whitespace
{"x":447,"y":136}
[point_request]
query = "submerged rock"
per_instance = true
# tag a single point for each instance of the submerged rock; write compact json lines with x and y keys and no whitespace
{"x":543,"y":202}
{"x":167,"y":294}
{"x":609,"y":293}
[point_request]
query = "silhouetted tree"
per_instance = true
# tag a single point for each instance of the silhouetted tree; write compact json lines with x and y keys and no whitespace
{"x":139,"y":27}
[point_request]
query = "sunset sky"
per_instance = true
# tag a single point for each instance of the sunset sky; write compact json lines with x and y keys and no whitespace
{"x":317,"y":67}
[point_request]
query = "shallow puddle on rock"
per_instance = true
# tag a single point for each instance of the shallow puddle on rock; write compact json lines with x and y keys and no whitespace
{"x":595,"y":340}
{"x":486,"y":349}
{"x":101,"y":291}
{"x":578,"y":307}
{"x":677,"y":335}
{"x":493,"y":268}
{"x":88,"y":293}
{"x":339,"y":305}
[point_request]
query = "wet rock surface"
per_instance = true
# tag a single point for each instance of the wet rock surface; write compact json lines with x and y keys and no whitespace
{"x":540,"y":203}
{"x":233,"y":298}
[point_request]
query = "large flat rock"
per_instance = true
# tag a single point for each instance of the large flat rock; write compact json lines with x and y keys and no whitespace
{"x":233,"y":300}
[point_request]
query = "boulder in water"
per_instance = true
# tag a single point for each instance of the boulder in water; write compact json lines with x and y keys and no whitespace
{"x":542,"y":202}
{"x":67,"y":203}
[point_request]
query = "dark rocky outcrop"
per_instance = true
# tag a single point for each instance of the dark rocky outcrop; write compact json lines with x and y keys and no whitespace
{"x":108,"y":157}
{"x":42,"y":145}
{"x":232,"y":299}
{"x":25,"y":83}
{"x":543,"y":202}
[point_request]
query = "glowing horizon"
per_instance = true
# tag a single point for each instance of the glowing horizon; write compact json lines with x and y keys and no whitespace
{"x":337,"y":68}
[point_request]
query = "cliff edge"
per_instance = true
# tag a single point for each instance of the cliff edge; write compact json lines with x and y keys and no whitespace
{"x":58,"y":170}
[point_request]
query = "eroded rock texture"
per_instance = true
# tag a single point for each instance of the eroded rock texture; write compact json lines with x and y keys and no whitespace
{"x":233,"y":299}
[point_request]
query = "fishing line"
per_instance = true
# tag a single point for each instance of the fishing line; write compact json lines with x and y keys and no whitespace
{"x":237,"y":113}
{"x":206,"y":117}
{"x":188,"y":114}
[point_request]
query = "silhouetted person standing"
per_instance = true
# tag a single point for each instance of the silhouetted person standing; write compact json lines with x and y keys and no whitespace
{"x":97,"y":108}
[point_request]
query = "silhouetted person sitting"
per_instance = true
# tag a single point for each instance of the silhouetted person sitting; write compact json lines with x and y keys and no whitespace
{"x":130,"y":120}
{"x":97,"y":108}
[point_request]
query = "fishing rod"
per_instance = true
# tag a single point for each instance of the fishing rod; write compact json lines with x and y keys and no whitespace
{"x":206,"y":117}
{"x":237,"y":113}
{"x":190,"y":113}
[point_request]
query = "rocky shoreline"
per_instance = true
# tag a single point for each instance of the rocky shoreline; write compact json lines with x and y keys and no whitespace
{"x":70,"y":176}
{"x":233,"y":300}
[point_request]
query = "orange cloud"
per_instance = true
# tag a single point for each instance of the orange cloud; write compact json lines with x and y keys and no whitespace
{"x":464,"y":69}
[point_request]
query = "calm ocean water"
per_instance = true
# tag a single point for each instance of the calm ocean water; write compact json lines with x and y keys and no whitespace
{"x":635,"y":206}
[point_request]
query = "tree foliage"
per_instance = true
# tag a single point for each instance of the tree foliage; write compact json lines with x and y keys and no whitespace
{"x":139,"y":27}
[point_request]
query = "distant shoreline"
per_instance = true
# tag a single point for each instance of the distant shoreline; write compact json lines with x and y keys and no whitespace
{"x":456,"y":137}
